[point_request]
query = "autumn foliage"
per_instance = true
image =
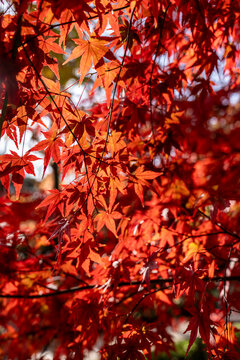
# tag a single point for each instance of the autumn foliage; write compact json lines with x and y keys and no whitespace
{"x":141,"y":231}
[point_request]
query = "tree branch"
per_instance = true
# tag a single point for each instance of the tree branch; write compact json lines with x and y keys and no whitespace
{"x":121,"y":284}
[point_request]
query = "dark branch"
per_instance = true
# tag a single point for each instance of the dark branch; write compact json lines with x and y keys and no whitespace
{"x":159,"y":281}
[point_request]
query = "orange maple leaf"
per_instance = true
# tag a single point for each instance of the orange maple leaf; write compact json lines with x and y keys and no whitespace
{"x":139,"y":179}
{"x":107,"y":219}
{"x":91,"y":52}
{"x":53,"y":201}
{"x":16,"y":165}
{"x":51,"y":147}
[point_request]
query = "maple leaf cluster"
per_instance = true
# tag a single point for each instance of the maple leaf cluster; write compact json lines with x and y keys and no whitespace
{"x":141,"y":232}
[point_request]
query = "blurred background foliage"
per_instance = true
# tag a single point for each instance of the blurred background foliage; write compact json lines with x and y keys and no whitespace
{"x":197,"y":352}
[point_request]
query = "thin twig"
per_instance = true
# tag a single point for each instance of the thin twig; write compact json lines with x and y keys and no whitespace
{"x":141,"y":299}
{"x":113,"y":95}
{"x":222,"y":227}
{"x":153,"y":65}
{"x":72,"y":22}
{"x":63,"y":117}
